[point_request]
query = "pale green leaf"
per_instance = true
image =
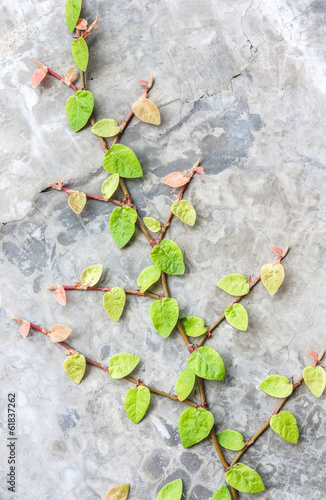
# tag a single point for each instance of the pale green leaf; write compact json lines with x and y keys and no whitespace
{"x":137,"y":400}
{"x":72,"y":11}
{"x":237,"y":316}
{"x":185,"y":383}
{"x":146,"y":111}
{"x":122,"y":224}
{"x":77,"y":202}
{"x":244,"y":479}
{"x":75,"y":367}
{"x":106,"y":128}
{"x":231,"y":440}
{"x":315,"y":378}
{"x":285,"y":424}
{"x":272,"y":276}
{"x":79,"y":108}
{"x":164,"y":315}
{"x":148,"y":277}
{"x":185,"y":212}
{"x":207,"y":363}
{"x":120,"y":365}
{"x":123,"y":161}
{"x":277,"y":386}
{"x":234,"y":284}
{"x":114,"y":302}
{"x":194,"y":425}
{"x":110,"y":185}
{"x":91,"y":275}
{"x":168,"y":257}
{"x":79,"y":51}
{"x":193,"y":325}
{"x":118,"y":493}
{"x":222,"y":493}
{"x":171,"y":491}
{"x":152,"y":224}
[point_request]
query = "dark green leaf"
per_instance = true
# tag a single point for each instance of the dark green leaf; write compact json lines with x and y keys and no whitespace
{"x":72,"y":11}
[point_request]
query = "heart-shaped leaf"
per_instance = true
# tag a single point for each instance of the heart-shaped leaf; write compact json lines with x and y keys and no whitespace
{"x":59,"y":333}
{"x":185,"y":383}
{"x":152,"y":224}
{"x":168,"y":257}
{"x":237,"y":316}
{"x":244,"y":479}
{"x":207,"y":363}
{"x":164,"y":315}
{"x":106,"y":128}
{"x":171,"y":491}
{"x":122,"y":225}
{"x":146,"y":111}
{"x":120,"y":365}
{"x":231,"y":440}
{"x":175,"y":179}
{"x":315,"y":378}
{"x":77,"y":201}
{"x":277,"y":386}
{"x":114,"y":302}
{"x":75,"y":367}
{"x":137,"y":401}
{"x":118,"y":493}
{"x":110,"y":185}
{"x":222,"y":493}
{"x":79,"y":108}
{"x":60,"y":295}
{"x":91,"y":275}
{"x":285,"y":425}
{"x":194,"y":425}
{"x":272,"y":276}
{"x":79,"y":51}
{"x":185,"y":212}
{"x":39,"y":75}
{"x":123,"y":161}
{"x":234,"y":284}
{"x":25,"y":328}
{"x":148,"y":277}
{"x":72,"y":11}
{"x":193,"y":325}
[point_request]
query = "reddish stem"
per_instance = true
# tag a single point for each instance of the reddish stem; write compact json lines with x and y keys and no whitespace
{"x":105,"y":289}
{"x":93,"y":196}
{"x":60,"y":78}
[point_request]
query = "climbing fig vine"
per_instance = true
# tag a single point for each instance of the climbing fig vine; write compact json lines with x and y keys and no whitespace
{"x":196,"y":422}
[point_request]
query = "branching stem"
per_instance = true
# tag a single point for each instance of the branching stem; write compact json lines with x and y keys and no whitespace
{"x":104,"y":289}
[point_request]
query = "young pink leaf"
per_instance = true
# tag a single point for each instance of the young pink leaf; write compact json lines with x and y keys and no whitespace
{"x":24,"y":328}
{"x":143,"y":82}
{"x":277,"y":250}
{"x":60,"y":295}
{"x":81,"y":24}
{"x":60,"y":182}
{"x":59,"y":333}
{"x":39,"y":75}
{"x":313,"y":354}
{"x":175,"y":179}
{"x":200,"y":170}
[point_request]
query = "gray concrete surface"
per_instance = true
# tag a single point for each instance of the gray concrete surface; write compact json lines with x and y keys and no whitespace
{"x":240,"y":84}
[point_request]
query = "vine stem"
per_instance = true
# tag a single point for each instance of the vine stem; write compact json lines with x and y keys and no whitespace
{"x":104,"y":289}
{"x":93,"y":196}
{"x":275,"y":412}
{"x":72,"y":351}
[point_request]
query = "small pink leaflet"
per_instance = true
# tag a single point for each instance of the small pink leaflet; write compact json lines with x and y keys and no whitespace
{"x":199,"y":170}
{"x":39,"y":75}
{"x":313,"y":354}
{"x":81,"y":24}
{"x":143,"y":82}
{"x":277,"y":250}
{"x":24,"y":329}
{"x":175,"y":179}
{"x":60,"y":295}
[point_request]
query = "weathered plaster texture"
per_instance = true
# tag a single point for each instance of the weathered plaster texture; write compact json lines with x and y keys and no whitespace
{"x":240,"y":84}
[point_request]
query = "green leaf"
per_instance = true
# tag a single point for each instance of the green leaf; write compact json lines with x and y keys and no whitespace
{"x":75,"y":367}
{"x":185,"y":212}
{"x":77,"y":202}
{"x":315,"y":378}
{"x":285,"y":425}
{"x":137,"y":400}
{"x":148,"y":277}
{"x":185,"y":383}
{"x":110,"y":185}
{"x":114,"y":302}
{"x":120,"y":365}
{"x":193,"y":325}
{"x":231,"y":440}
{"x":91,"y":275}
{"x":106,"y":128}
{"x":244,"y":479}
{"x":118,"y":493}
{"x":72,"y":11}
{"x":237,"y":316}
{"x":168,"y":257}
{"x":207,"y":363}
{"x":79,"y":108}
{"x":122,"y":225}
{"x":152,"y":224}
{"x":79,"y":51}
{"x":164,"y":315}
{"x":171,"y":491}
{"x":194,"y":425}
{"x":277,"y":386}
{"x":234,"y":284}
{"x":146,"y":111}
{"x":123,"y":161}
{"x":222,"y":493}
{"x":272,"y":277}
